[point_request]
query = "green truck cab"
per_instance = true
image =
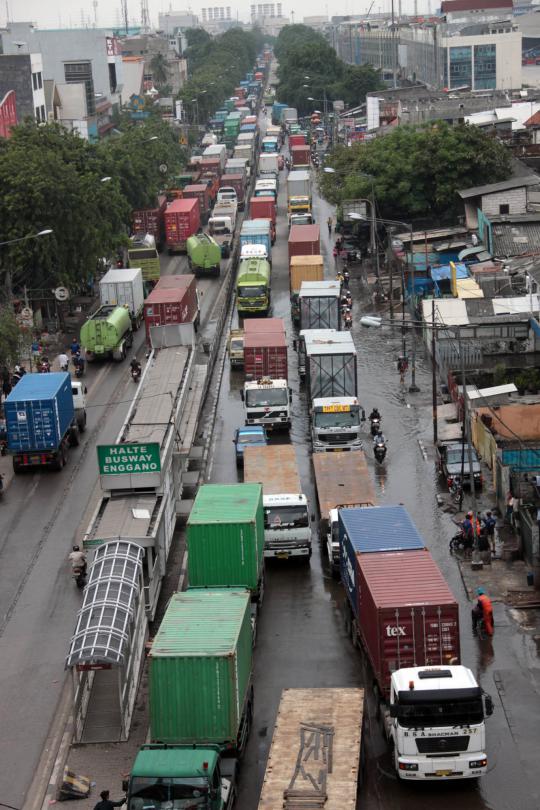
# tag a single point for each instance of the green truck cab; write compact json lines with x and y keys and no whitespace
{"x":253,"y":286}
{"x":181,"y":776}
{"x":107,"y":333}
{"x":143,"y":253}
{"x":204,"y":254}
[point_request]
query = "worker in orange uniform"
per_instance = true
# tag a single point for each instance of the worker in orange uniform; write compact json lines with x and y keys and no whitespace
{"x":483,"y":610}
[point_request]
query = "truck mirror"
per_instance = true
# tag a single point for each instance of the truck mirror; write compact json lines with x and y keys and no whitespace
{"x":125,"y":785}
{"x":295,"y":345}
{"x":489,"y":705}
{"x":290,"y":395}
{"x":242,"y":395}
{"x":393,"y":710}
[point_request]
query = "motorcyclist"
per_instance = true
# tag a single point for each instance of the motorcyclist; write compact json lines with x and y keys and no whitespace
{"x":135,"y":366}
{"x":482,"y":610}
{"x":379,"y":438}
{"x":78,"y":362}
{"x":77,"y":559}
{"x":63,"y":360}
{"x":75,"y":347}
{"x":374,"y":415}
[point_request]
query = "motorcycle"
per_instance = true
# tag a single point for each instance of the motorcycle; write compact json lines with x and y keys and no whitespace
{"x":375,"y":424}
{"x":347,"y":317}
{"x":460,"y":543}
{"x":379,"y":450}
{"x":136,"y":372}
{"x":346,"y":280}
{"x":78,"y":572}
{"x":79,"y":367}
{"x":456,"y":490}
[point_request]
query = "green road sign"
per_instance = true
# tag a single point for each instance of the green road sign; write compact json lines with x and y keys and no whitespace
{"x":119,"y":459}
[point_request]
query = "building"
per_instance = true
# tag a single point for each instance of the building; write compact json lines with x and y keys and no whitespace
{"x":318,"y":22}
{"x":8,"y":114}
{"x":464,"y":11}
{"x":508,"y":198}
{"x":22,"y":73}
{"x":170,"y":21}
{"x":87,"y":56}
{"x":259,"y":10}
{"x":215,"y":13}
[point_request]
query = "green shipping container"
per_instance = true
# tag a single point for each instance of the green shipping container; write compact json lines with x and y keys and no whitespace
{"x":225,"y":536}
{"x":200,"y":668}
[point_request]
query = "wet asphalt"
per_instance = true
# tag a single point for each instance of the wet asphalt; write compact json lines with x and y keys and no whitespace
{"x":301,"y":638}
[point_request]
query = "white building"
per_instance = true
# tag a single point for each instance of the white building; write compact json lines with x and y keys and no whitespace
{"x":169,"y":21}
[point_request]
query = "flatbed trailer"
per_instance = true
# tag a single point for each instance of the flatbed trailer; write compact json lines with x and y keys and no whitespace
{"x":314,"y":759}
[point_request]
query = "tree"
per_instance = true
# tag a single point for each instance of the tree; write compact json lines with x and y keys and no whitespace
{"x":160,"y":70}
{"x":10,"y":338}
{"x":417,"y":171}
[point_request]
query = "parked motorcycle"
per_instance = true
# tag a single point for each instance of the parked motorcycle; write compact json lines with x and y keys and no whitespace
{"x":460,"y":543}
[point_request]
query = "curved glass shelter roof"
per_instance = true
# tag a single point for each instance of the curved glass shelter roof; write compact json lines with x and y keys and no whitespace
{"x":104,"y":622}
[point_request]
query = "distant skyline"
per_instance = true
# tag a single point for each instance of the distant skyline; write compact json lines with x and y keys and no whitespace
{"x":70,"y":13}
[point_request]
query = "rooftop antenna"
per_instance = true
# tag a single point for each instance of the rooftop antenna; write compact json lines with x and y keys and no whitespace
{"x":145,"y":16}
{"x":124,"y":12}
{"x":416,"y":8}
{"x":95,"y":4}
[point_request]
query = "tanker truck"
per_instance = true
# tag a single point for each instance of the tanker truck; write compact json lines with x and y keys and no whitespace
{"x":107,"y":333}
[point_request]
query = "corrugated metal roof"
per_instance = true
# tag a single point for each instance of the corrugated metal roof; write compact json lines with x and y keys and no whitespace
{"x":515,"y":420}
{"x":515,"y":238}
{"x":493,"y":391}
{"x":403,"y":578}
{"x":448,"y":311}
{"x":518,"y":304}
{"x":380,"y":528}
{"x":226,"y":503}
{"x":505,"y":185}
{"x":468,"y":288}
{"x":201,"y":622}
{"x":118,"y":519}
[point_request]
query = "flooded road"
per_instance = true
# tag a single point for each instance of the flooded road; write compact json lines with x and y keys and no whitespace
{"x":301,"y":638}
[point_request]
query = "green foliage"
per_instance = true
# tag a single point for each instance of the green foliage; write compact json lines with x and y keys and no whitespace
{"x":159,"y":69}
{"x":10,"y":337}
{"x":499,"y":374}
{"x":303,"y":52}
{"x":216,"y":65}
{"x":417,"y":171}
{"x":51,"y":178}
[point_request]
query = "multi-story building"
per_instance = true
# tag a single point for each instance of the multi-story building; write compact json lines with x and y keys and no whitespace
{"x":170,"y":21}
{"x":22,"y":73}
{"x":210,"y":13}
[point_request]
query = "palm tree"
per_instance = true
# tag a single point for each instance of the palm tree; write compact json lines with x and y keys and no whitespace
{"x":160,"y":69}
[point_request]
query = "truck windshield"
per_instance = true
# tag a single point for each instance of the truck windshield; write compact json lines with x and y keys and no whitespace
{"x":266,"y":397}
{"x":252,"y":292}
{"x":167,"y":793}
{"x":237,"y":344}
{"x":442,"y":713}
{"x":218,"y":228}
{"x":143,"y":253}
{"x":339,"y":419}
{"x":286,"y":517}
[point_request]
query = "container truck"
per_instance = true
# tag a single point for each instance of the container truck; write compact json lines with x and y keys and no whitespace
{"x":217,"y":150}
{"x":107,"y":332}
{"x":238,"y":182}
{"x":204,"y":254}
{"x":287,"y":525}
{"x":244,"y":151}
{"x":182,"y":220}
{"x":168,"y":305}
{"x":263,"y":208}
{"x":270,"y":144}
{"x":336,"y":424}
{"x":152,"y":221}
{"x":226,"y":194}
{"x":41,"y":422}
{"x":225,"y":538}
{"x":257,"y":232}
{"x":277,"y":109}
{"x":289,"y":115}
{"x":142,"y":252}
{"x":300,"y":156}
{"x":402,"y":612}
{"x":266,"y":188}
{"x":315,"y":756}
{"x":342,"y":480}
{"x":304,"y":240}
{"x":238,"y":166}
{"x":303,"y":269}
{"x":221,"y":229}
{"x":236,"y":348}
{"x":265,"y":355}
{"x":328,"y":360}
{"x":299,"y":184}
{"x":320,"y":305}
{"x":200,"y":192}
{"x":297,"y":140}
{"x":201,"y":703}
{"x":123,"y":287}
{"x":268,"y":164}
{"x":267,"y":402}
{"x":253,"y":287}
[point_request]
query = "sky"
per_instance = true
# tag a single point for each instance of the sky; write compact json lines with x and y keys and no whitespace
{"x":74,"y":13}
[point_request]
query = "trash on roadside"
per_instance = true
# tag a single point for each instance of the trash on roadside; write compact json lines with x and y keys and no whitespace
{"x":74,"y":786}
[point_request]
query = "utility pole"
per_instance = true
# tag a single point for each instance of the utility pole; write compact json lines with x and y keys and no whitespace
{"x":476,"y":562}
{"x":433,"y":373}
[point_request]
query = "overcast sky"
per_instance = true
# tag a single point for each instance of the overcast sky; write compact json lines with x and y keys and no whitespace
{"x":70,"y":13}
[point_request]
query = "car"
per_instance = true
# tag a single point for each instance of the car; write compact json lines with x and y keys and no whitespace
{"x":451,"y":457}
{"x":250,"y":435}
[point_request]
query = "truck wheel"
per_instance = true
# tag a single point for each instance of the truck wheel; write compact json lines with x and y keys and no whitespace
{"x":74,"y":436}
{"x":16,"y":467}
{"x":82,"y":423}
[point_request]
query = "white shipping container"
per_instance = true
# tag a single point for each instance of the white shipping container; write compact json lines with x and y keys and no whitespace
{"x":123,"y":287}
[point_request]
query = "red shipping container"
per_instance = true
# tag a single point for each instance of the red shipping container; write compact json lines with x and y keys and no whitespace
{"x":262,"y":208}
{"x":304,"y":240}
{"x":300,"y":155}
{"x":406,"y":614}
{"x":182,"y":220}
{"x":238,"y":182}
{"x":297,"y":140}
{"x":174,"y":301}
{"x":211,"y":164}
{"x":151,"y":220}
{"x":200,"y":192}
{"x":250,"y":119}
{"x":258,"y":325}
{"x":265,"y":355}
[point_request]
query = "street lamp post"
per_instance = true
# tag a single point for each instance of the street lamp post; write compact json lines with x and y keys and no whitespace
{"x":44,"y":232}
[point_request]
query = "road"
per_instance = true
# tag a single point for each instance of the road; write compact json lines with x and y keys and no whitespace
{"x":41,"y":515}
{"x":301,"y":640}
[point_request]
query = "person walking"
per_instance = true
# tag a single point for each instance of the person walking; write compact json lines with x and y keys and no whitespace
{"x":482,"y":610}
{"x":489,"y":526}
{"x":106,"y":803}
{"x":330,"y":223}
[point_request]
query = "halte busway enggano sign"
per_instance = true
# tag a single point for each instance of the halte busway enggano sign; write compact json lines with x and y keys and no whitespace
{"x":131,"y":459}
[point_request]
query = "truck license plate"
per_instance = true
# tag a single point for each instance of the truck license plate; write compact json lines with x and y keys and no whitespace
{"x":443,"y":773}
{"x":338,"y":449}
{"x":282,"y":555}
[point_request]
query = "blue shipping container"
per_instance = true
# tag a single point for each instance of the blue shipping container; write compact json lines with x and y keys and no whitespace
{"x":38,"y":412}
{"x":378,"y":528}
{"x":256,"y":232}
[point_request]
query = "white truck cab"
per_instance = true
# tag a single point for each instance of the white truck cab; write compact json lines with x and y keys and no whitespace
{"x":287,"y":527}
{"x":78,"y":391}
{"x":253,"y":252}
{"x":267,"y":402}
{"x":436,"y":723}
{"x":225,"y":194}
{"x":336,"y":424}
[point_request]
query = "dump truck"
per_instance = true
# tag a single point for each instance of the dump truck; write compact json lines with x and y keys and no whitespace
{"x":287,"y":525}
{"x":316,"y":752}
{"x":44,"y":415}
{"x":107,"y":333}
{"x":200,"y":700}
{"x":342,"y":480}
{"x":204,"y":254}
